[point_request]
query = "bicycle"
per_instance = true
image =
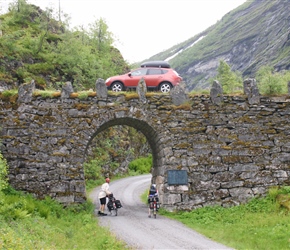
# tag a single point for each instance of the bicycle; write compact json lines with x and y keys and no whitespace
{"x":153,"y":204}
{"x":113,"y":204}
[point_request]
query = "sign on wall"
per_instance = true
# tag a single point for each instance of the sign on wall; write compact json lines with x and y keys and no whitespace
{"x":177,"y":177}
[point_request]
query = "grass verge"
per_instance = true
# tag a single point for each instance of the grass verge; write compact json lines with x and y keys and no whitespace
{"x":27,"y":223}
{"x":263,"y":223}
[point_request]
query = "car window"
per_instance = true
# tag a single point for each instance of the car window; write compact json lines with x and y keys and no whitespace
{"x":154,"y":72}
{"x":164,"y":71}
{"x":139,"y":72}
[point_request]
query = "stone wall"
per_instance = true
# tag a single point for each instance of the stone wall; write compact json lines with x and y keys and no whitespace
{"x":232,"y":147}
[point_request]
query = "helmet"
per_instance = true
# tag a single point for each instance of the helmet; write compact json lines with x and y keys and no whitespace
{"x":107,"y":180}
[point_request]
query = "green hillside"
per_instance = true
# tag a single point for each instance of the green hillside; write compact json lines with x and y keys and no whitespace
{"x":33,"y":45}
{"x":253,"y":35}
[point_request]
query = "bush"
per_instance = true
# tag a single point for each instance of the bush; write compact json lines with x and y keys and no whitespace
{"x":142,"y":165}
{"x":3,"y":173}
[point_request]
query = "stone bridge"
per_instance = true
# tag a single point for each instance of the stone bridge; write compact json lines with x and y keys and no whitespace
{"x":207,"y":149}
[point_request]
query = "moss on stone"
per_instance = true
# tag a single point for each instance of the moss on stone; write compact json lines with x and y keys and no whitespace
{"x":138,"y":114}
{"x":82,"y":106}
{"x":74,"y":95}
{"x":56,"y":94}
{"x":185,"y":106}
{"x":62,"y":141}
{"x":183,"y":145}
{"x":92,"y":94}
{"x":269,"y":131}
{"x":235,"y":159}
{"x":241,"y":143}
{"x":10,"y":97}
{"x":59,"y":154}
{"x":131,"y":96}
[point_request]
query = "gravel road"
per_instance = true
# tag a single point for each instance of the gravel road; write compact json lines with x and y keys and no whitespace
{"x":133,"y":226}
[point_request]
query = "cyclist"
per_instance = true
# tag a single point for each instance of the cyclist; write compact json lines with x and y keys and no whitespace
{"x":153,"y":192}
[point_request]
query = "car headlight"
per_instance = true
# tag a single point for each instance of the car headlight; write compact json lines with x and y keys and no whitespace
{"x":108,"y":79}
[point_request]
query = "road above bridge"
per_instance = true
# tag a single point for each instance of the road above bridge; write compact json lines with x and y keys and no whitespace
{"x":133,"y":226}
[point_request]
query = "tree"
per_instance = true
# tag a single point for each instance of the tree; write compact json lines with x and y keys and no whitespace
{"x":270,"y":82}
{"x":101,"y":36}
{"x":230,"y":80}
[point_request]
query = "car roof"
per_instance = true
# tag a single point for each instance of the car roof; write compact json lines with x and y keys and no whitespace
{"x":155,"y":64}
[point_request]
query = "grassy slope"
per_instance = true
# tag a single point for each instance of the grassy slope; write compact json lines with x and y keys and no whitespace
{"x":26,"y":223}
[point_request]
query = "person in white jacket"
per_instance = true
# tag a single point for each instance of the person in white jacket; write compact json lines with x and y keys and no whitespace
{"x":104,"y":192}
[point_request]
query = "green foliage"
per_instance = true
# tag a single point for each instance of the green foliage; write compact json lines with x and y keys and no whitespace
{"x":270,"y":82}
{"x":3,"y":173}
{"x":111,"y":148}
{"x":141,"y":165}
{"x":45,"y":93}
{"x":27,"y":223}
{"x":83,"y":95}
{"x":253,"y":225}
{"x":102,"y":37}
{"x":49,"y":51}
{"x":10,"y":92}
{"x":93,"y":169}
{"x":230,"y":81}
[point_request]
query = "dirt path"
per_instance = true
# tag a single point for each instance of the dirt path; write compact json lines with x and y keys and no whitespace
{"x":133,"y":226}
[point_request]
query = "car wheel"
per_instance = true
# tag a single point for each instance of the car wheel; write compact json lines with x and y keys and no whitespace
{"x":117,"y":86}
{"x":165,"y":87}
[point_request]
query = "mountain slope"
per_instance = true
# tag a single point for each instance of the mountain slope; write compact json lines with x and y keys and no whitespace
{"x":253,"y":35}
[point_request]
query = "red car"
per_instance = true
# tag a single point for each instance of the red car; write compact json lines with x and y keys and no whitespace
{"x":157,"y":74}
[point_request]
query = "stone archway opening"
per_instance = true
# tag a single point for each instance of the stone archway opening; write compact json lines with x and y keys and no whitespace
{"x":140,"y":126}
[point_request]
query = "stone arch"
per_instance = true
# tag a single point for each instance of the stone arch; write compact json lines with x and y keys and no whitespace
{"x":148,"y":131}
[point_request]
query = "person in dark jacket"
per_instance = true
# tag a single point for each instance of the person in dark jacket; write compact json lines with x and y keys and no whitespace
{"x":153,"y":192}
